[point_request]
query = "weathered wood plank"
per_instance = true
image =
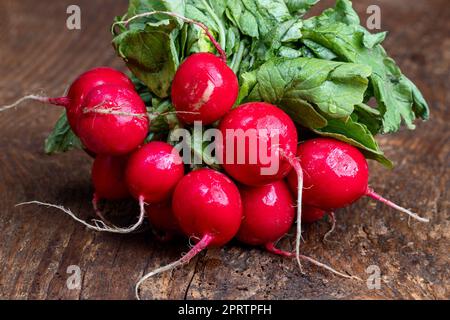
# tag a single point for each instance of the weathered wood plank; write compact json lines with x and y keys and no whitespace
{"x":37,"y":244}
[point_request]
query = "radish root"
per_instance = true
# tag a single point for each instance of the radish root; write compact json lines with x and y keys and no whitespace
{"x":270,"y":247}
{"x":333,"y":227}
{"x":213,"y":40}
{"x":200,"y":246}
{"x":62,"y":101}
{"x":98,"y":212}
{"x":98,"y":225}
{"x":371,"y":193}
{"x":295,"y":163}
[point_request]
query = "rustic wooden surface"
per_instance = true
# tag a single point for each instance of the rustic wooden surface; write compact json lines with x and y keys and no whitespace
{"x":37,"y":245}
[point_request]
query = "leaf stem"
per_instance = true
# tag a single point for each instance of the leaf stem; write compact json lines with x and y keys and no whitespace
{"x":222,"y":32}
{"x":237,"y":59}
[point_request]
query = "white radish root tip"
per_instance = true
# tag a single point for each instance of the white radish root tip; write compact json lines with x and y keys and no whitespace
{"x":199,"y":247}
{"x":271,"y":248}
{"x":56,"y":101}
{"x":97,"y":225}
{"x":371,"y":193}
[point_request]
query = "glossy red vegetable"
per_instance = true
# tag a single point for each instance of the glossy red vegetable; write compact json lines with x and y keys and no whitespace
{"x":88,"y":81}
{"x":153,"y":172}
{"x":207,"y":205}
{"x":271,"y":154}
{"x":268,"y":213}
{"x":114,"y":120}
{"x":265,"y":122}
{"x":311,"y":214}
{"x":208,"y":208}
{"x":204,"y":89}
{"x":335,"y":175}
{"x":79,"y":89}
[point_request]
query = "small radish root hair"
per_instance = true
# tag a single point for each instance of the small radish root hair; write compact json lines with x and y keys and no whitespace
{"x":62,"y":101}
{"x":333,"y":227}
{"x":97,"y":225}
{"x":371,"y":193}
{"x":270,"y":247}
{"x":199,"y":247}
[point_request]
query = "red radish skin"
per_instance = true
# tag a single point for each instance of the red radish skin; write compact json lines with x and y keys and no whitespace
{"x":108,"y":179}
{"x":268,"y":122}
{"x":208,"y":202}
{"x":153,"y":172}
{"x":162,"y":220}
{"x":88,"y":81}
{"x":335,"y":175}
{"x":258,"y":116}
{"x":114,"y":120}
{"x":311,"y":214}
{"x":207,"y":206}
{"x":204,"y":89}
{"x":78,"y":91}
{"x":268,"y":213}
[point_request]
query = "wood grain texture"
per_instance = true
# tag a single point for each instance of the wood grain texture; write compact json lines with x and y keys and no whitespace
{"x":37,"y":245}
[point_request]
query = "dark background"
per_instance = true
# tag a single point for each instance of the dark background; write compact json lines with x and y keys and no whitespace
{"x":37,"y":245}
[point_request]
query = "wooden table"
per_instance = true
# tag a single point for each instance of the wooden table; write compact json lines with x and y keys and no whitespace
{"x":37,"y":245}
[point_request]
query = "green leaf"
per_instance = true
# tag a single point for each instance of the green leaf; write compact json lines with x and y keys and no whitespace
{"x":368,"y":116}
{"x":141,"y":6}
{"x":305,"y":83}
{"x":339,"y":31}
{"x":151,"y":55}
{"x":300,"y":7}
{"x":62,"y":138}
{"x":256,"y":18}
{"x":319,"y":51}
{"x":357,"y":135}
{"x":371,"y":40}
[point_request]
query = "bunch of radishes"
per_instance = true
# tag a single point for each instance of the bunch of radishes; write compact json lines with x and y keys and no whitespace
{"x":241,"y":200}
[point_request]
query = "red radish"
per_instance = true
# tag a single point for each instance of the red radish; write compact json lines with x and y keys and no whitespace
{"x":204,"y":89}
{"x":273,"y":134}
{"x":153,"y":172}
{"x":268,"y":213}
{"x":162,"y":220}
{"x":207,"y":206}
{"x":265,"y":122}
{"x":336,"y":175}
{"x":79,"y":89}
{"x":108,"y":178}
{"x":311,"y":214}
{"x":114,"y":120}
